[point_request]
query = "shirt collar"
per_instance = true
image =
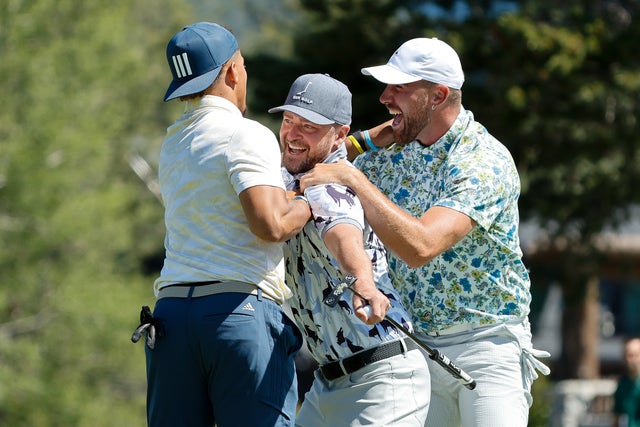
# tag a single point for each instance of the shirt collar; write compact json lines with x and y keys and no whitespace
{"x":446,"y":141}
{"x":212,"y":101}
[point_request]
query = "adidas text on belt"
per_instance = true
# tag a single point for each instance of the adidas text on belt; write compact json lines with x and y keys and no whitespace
{"x":195,"y":290}
{"x":348,"y":365}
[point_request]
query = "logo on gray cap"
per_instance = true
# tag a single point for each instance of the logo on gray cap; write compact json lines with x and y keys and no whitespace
{"x":299,"y":95}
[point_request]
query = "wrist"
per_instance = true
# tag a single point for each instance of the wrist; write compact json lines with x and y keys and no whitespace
{"x":303,"y":198}
{"x":356,"y":143}
{"x":361,"y":140}
{"x":367,"y":139}
{"x":353,"y":179}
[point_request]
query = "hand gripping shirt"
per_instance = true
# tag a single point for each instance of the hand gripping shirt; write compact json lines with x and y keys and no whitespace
{"x":333,"y":333}
{"x":481,"y":279}
{"x":210,"y":155}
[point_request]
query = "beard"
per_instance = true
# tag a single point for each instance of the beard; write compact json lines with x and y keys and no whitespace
{"x":300,"y":164}
{"x":297,"y":167}
{"x":413,"y":122}
{"x":314,"y":152}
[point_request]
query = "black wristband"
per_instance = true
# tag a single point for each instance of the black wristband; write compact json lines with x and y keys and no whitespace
{"x":359,"y":136}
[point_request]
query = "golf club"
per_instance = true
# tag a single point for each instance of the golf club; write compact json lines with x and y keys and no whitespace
{"x":332,"y":299}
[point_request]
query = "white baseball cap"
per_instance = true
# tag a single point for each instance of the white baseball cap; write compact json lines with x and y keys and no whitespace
{"x":421,"y":59}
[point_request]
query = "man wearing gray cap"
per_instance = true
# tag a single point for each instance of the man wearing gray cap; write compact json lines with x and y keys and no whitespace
{"x":224,"y":349}
{"x":370,"y":374}
{"x":444,"y":201}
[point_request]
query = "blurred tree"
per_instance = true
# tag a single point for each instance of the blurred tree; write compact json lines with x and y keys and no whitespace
{"x":559,"y":85}
{"x":82,"y":86}
{"x":259,"y":25}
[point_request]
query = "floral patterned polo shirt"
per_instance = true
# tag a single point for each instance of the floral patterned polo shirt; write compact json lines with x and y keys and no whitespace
{"x":481,"y":279}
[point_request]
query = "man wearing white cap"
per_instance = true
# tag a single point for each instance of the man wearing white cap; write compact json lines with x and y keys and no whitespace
{"x":364,"y":359}
{"x":443,"y":200}
{"x":224,"y":349}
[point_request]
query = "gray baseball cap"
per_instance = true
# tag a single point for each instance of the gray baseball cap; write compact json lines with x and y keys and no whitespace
{"x":318,"y":98}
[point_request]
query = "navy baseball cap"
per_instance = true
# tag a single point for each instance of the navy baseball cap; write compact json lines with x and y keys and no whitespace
{"x":318,"y":98}
{"x":195,"y":55}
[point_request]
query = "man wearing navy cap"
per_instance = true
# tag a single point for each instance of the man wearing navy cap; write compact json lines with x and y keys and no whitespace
{"x":370,"y":374}
{"x":224,"y":351}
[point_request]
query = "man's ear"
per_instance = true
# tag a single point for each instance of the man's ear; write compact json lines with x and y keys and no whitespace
{"x":343,"y":132}
{"x":231,"y":73}
{"x":440,"y":94}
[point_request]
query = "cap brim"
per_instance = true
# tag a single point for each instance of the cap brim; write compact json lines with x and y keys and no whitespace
{"x":177,"y":88}
{"x":389,"y":75}
{"x":309,"y":115}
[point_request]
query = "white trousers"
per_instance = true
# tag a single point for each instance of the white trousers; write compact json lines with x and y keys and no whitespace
{"x":391,"y":392}
{"x":503,"y":363}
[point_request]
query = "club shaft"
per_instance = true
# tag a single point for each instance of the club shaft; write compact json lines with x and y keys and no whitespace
{"x":438,"y":357}
{"x":434,"y":354}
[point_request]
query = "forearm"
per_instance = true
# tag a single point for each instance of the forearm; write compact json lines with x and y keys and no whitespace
{"x":414,"y":240}
{"x":394,"y":227}
{"x":380,"y":136}
{"x":282,"y":226}
{"x":272,"y":216}
{"x":293,"y":220}
{"x":345,"y":243}
{"x":400,"y":232}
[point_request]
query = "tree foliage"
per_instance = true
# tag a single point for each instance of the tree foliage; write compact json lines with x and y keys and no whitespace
{"x":569,"y":106}
{"x":82,"y":84}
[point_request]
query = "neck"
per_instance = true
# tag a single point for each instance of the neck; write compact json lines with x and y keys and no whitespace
{"x":223,"y":90}
{"x":439,"y":124}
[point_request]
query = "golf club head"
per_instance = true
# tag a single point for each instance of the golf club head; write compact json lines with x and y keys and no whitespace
{"x":334,"y":296}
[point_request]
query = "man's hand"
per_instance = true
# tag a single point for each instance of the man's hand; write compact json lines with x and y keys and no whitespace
{"x":330,"y":173}
{"x":379,"y":304}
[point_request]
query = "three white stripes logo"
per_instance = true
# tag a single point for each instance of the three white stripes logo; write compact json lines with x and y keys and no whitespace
{"x":181,"y":65}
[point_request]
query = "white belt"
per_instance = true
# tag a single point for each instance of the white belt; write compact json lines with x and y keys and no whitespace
{"x":456,"y":329}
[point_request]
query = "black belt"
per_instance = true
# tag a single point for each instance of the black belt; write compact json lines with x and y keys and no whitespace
{"x":348,"y":365}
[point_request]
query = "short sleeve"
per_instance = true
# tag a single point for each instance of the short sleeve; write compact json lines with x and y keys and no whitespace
{"x":333,"y":204}
{"x":254,"y":157}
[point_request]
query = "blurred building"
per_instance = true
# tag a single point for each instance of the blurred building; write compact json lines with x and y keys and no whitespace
{"x":619,"y":289}
{"x":575,"y":402}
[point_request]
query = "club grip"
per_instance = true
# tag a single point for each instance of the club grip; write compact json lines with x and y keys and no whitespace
{"x":453,"y":369}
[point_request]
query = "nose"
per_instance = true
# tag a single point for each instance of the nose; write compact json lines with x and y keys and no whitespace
{"x":385,"y":96}
{"x":293,"y":132}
